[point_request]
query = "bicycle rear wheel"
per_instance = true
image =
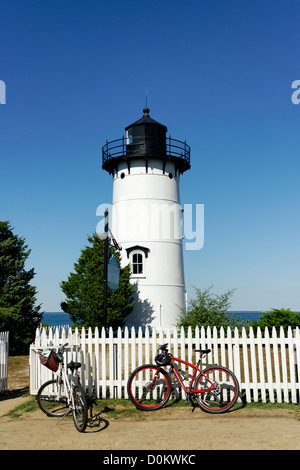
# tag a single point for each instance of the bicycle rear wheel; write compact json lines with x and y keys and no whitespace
{"x":52,"y":399}
{"x":218,"y":389}
{"x":80,"y":410}
{"x":149,"y":387}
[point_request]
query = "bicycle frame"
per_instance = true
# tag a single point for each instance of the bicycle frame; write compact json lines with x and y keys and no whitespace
{"x":68,"y":386}
{"x":196,"y":368}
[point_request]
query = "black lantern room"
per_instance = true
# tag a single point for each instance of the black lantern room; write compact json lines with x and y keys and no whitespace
{"x":145,"y":139}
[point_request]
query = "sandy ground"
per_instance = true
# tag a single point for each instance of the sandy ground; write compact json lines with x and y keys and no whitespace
{"x":172,"y":428}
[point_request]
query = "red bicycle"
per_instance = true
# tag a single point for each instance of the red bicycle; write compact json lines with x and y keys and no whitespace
{"x":216,"y":389}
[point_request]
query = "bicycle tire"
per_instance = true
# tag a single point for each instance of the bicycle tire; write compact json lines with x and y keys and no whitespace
{"x":80,"y":410}
{"x":145,"y":394}
{"x":223,"y":397}
{"x":51,"y":399}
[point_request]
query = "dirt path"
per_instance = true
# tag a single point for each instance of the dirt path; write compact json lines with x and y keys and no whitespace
{"x":172,"y":428}
{"x":166,"y":429}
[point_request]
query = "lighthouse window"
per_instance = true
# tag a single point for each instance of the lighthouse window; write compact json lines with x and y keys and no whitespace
{"x":129,"y":138}
{"x":137,"y":263}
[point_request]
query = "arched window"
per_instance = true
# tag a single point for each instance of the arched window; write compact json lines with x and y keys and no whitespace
{"x":137,"y":256}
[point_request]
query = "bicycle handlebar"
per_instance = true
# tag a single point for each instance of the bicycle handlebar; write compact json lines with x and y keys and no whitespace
{"x":60,"y":350}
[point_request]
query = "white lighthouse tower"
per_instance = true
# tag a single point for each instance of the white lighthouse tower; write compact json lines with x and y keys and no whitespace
{"x":146,"y":166}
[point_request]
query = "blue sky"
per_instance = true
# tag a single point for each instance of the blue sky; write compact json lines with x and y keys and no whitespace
{"x":218,"y":74}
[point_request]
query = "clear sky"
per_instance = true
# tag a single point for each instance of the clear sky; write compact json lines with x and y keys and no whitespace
{"x":218,"y":73}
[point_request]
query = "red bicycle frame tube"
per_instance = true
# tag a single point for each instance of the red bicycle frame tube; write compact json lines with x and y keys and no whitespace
{"x":197,"y":369}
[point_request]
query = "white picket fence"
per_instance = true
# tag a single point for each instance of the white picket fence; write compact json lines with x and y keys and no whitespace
{"x":4,"y":337}
{"x":267,"y":366}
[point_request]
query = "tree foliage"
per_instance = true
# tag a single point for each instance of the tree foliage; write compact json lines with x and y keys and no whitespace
{"x":18,"y":313}
{"x":84,"y":289}
{"x":208,"y":309}
{"x":277,"y":318}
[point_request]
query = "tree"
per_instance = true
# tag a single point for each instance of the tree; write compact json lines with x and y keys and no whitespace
{"x":209,"y":309}
{"x":84,"y":289}
{"x":18,"y":313}
{"x":277,"y":318}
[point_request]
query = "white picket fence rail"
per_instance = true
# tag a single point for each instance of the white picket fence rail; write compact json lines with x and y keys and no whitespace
{"x":266,"y":365}
{"x":4,"y":337}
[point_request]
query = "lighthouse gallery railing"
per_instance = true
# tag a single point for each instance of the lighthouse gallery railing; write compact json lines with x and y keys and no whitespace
{"x":118,"y":148}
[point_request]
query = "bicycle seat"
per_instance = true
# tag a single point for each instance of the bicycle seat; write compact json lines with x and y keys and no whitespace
{"x":74,"y":365}
{"x":203,"y":351}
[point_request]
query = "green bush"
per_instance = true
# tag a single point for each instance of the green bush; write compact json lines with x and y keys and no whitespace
{"x":208,"y":309}
{"x":277,"y":318}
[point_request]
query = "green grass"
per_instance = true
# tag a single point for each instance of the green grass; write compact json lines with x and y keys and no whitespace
{"x":274,"y":406}
{"x":26,"y":407}
{"x":123,"y":409}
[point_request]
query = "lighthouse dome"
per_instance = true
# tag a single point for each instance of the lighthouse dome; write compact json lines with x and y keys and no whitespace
{"x":145,"y":139}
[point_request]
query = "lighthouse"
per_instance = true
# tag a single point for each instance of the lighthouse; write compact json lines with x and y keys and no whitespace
{"x":146,"y":166}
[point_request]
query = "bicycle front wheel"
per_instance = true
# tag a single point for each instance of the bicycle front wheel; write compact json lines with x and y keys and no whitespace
{"x":218,"y":389}
{"x":80,"y":409}
{"x":52,"y":399}
{"x":149,"y":387}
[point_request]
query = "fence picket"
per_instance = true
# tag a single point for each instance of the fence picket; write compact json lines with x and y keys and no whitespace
{"x":97,"y":362}
{"x":4,"y":352}
{"x":103,"y":363}
{"x":246,"y":366}
{"x":291,"y":358}
{"x":261,"y":366}
{"x":126,"y":360}
{"x":253,"y":365}
{"x":283,"y":366}
{"x":276,"y":365}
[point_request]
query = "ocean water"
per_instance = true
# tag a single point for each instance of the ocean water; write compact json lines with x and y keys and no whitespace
{"x":57,"y":319}
{"x":61,"y":318}
{"x":247,"y":316}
